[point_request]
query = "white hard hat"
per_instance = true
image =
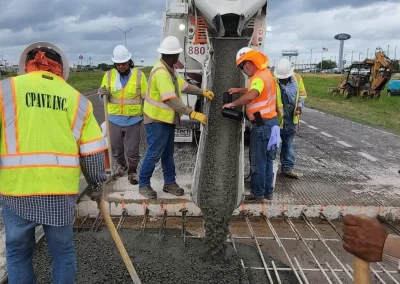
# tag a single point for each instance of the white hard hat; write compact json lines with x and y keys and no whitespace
{"x":22,"y":59}
{"x":121,"y":54}
{"x":170,"y":45}
{"x":284,"y":69}
{"x":240,"y":54}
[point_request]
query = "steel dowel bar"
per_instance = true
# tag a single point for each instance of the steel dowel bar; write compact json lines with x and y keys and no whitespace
{"x":286,"y":239}
{"x":333,"y":272}
{"x":234,"y":245}
{"x":332,"y":225}
{"x":276,"y":272}
{"x":387,"y":273}
{"x":321,"y":238}
{"x":314,"y":269}
{"x":301,"y":270}
{"x":283,"y":248}
{"x":259,"y":249}
{"x":387,"y":223}
{"x":308,"y":248}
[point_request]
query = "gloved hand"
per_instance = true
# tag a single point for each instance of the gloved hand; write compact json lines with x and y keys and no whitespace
{"x":208,"y":94}
{"x":199,"y":117}
{"x":298,"y":111}
{"x":103,"y":92}
{"x":95,"y":193}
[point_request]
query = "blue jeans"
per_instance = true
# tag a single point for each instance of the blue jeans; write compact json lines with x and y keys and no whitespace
{"x":287,"y":151}
{"x":20,"y":243}
{"x":262,"y":160}
{"x":160,"y":144}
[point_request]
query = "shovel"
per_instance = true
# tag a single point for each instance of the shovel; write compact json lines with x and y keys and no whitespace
{"x":361,"y":273}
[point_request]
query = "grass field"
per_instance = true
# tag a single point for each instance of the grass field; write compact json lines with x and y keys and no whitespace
{"x":383,"y":113}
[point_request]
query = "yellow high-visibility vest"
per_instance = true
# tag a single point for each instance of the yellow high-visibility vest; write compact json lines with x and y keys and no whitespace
{"x":301,"y":93}
{"x":162,"y":88}
{"x":126,"y":101}
{"x":46,"y":125}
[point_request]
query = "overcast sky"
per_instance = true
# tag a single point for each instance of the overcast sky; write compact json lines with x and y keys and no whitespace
{"x":85,"y":27}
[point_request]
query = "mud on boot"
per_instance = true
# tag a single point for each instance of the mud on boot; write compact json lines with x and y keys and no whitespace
{"x":173,"y":189}
{"x":148,"y":192}
{"x":292,"y":174}
{"x":119,"y":171}
{"x":133,"y":178}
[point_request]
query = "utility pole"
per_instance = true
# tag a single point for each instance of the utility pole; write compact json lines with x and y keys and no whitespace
{"x":311,"y":58}
{"x":367,"y":52}
{"x":359,"y":56}
{"x":388,"y":50}
{"x":352,"y":57}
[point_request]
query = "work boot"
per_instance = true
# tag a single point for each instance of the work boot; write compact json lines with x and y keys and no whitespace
{"x":173,"y":189}
{"x":148,"y":192}
{"x":292,"y":174}
{"x":119,"y":171}
{"x":269,"y":196}
{"x":252,"y":198}
{"x":133,"y":178}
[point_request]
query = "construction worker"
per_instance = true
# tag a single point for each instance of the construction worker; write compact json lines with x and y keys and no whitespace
{"x":260,"y":101}
{"x":124,"y":86}
{"x":162,"y":110}
{"x":291,"y":94}
{"x":367,"y":239}
{"x":48,"y":129}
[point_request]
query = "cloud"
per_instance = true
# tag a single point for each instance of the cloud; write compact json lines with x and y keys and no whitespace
{"x":85,"y":27}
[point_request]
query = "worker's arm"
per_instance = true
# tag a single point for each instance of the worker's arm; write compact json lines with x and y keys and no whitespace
{"x":255,"y":90}
{"x":302,"y":93}
{"x":194,"y":90}
{"x":91,"y":150}
{"x":103,"y":90}
{"x":232,"y":91}
{"x":143,"y":85}
{"x":391,"y":249}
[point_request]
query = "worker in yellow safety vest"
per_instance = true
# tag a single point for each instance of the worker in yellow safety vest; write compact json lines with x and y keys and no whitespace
{"x":163,"y":107}
{"x":291,"y":95}
{"x":48,"y":131}
{"x":124,"y":86}
{"x":260,"y":101}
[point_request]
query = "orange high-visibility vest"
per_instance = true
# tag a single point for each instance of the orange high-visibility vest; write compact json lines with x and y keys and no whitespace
{"x":265,"y":103}
{"x":46,"y":125}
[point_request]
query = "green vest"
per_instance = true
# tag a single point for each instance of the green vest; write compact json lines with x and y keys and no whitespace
{"x":127,"y":101}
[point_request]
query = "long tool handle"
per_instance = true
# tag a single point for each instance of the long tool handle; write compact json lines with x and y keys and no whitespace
{"x":118,"y":243}
{"x":105,"y":102}
{"x":361,"y":272}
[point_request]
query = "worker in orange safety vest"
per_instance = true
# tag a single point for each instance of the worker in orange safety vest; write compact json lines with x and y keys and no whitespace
{"x":260,"y":101}
{"x":48,"y":132}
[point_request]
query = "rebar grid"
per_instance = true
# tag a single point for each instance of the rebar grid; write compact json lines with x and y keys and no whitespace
{"x":330,"y":274}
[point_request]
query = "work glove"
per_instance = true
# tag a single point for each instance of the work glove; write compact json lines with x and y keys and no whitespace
{"x":208,"y":94}
{"x":103,"y":92}
{"x":298,"y":110}
{"x":199,"y":117}
{"x":95,"y":193}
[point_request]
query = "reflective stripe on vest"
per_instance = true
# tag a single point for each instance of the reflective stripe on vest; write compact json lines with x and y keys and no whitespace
{"x":91,"y":147}
{"x":122,"y":101}
{"x":265,"y":106}
{"x":156,"y":103}
{"x":80,"y":116}
{"x":8,"y":92}
{"x":39,"y":160}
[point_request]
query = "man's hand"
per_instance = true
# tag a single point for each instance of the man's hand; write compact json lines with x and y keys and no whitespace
{"x":364,"y":237}
{"x":299,"y":110}
{"x":103,"y":92}
{"x":232,"y":91}
{"x":208,"y":94}
{"x":95,"y":193}
{"x":199,"y":117}
{"x":227,"y":106}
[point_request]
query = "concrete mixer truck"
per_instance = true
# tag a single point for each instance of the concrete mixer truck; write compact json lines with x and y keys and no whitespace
{"x":194,"y":22}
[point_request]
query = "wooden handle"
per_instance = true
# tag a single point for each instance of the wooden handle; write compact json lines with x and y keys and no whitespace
{"x":118,"y":243}
{"x":361,"y":272}
{"x":105,"y":102}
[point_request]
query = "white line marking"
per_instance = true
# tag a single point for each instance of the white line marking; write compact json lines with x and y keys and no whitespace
{"x":326,"y":134}
{"x":367,"y":156}
{"x":344,"y":144}
{"x":312,"y":127}
{"x":302,"y":121}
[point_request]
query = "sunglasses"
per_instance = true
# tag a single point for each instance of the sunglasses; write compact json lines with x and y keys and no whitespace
{"x":241,"y":65}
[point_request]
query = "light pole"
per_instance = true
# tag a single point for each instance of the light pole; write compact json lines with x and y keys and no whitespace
{"x":367,"y":52}
{"x":352,"y":57}
{"x":359,"y":56}
{"x":311,"y":58}
{"x":125,"y":31}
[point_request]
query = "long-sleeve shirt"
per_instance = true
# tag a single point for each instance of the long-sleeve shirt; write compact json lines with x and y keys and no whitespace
{"x":122,"y":120}
{"x":391,"y":250}
{"x":176,"y":103}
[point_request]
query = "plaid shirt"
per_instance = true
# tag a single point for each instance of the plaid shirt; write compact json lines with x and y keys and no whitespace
{"x":57,"y":210}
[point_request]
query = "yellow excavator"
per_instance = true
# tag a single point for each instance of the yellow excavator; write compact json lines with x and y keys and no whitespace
{"x":367,"y":78}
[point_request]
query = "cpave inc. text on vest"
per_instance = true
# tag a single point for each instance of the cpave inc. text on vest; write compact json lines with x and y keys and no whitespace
{"x":45,"y":101}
